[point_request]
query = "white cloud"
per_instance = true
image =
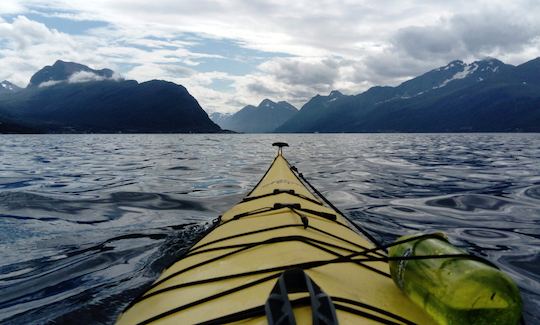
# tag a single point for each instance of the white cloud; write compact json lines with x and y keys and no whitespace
{"x":84,"y":76}
{"x":23,"y":33}
{"x":332,"y":44}
{"x":11,"y":7}
{"x":49,"y":83}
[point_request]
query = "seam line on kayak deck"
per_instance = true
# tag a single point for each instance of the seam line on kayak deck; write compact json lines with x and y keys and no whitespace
{"x":331,"y":205}
{"x":296,"y":174}
{"x":265,"y":173}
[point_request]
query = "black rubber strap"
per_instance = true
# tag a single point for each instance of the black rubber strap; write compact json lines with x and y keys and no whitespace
{"x":277,"y":192}
{"x":206,"y":299}
{"x":278,"y":307}
{"x":244,"y":234}
{"x":273,"y":241}
{"x":372,"y":308}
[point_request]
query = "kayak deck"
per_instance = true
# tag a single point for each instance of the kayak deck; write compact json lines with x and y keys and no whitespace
{"x":228,"y":275}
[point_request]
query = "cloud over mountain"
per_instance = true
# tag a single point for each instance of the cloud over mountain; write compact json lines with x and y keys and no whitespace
{"x":468,"y":34}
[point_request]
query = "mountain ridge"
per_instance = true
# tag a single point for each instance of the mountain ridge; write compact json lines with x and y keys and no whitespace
{"x":6,"y":87}
{"x":416,"y":104}
{"x":259,"y":119}
{"x":70,"y":97}
{"x":62,"y":71}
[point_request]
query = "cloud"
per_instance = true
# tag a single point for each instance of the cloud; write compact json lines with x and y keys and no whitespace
{"x":11,"y":7}
{"x":23,"y":33}
{"x":293,"y":49}
{"x":310,"y":71}
{"x":467,"y":35}
{"x":84,"y":76}
{"x":427,"y":42}
{"x":261,"y":89}
{"x":49,"y":83}
{"x":168,"y":71}
{"x":494,"y":31}
{"x":80,"y":77}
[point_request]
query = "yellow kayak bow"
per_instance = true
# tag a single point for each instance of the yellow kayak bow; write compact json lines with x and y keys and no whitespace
{"x":282,"y":255}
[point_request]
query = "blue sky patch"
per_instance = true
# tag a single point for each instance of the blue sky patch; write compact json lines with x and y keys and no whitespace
{"x":237,"y":60}
{"x":222,"y":85}
{"x":64,"y":25}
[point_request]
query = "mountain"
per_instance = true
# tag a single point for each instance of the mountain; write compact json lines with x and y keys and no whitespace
{"x":218,"y":117}
{"x":67,"y":97}
{"x":312,"y":113}
{"x":7,"y":87}
{"x":264,"y":118}
{"x":483,"y":96}
{"x":67,"y":71}
{"x":528,"y":72}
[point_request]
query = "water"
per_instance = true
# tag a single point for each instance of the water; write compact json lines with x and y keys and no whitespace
{"x":86,"y":221}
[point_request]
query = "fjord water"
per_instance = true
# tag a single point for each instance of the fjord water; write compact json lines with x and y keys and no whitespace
{"x":86,"y":221}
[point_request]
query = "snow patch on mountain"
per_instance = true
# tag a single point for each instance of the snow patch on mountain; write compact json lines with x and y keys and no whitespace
{"x":468,"y":69}
{"x":7,"y":86}
{"x":490,"y":68}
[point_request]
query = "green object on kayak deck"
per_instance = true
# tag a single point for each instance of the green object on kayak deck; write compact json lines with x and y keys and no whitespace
{"x":455,"y":290}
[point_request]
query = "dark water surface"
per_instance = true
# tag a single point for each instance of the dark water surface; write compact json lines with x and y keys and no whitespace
{"x":87,"y":220}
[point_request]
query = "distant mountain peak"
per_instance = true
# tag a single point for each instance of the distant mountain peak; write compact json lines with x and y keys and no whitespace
{"x":335,"y":93}
{"x":267,"y":103}
{"x":7,"y":87}
{"x":476,"y":71}
{"x":456,"y":64}
{"x":60,"y":62}
{"x":218,"y":117}
{"x":264,"y":118}
{"x":63,"y":71}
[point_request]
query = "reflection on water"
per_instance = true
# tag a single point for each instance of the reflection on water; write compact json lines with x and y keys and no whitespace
{"x":87,"y":221}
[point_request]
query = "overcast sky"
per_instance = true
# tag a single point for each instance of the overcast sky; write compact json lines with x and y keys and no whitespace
{"x":233,"y":53}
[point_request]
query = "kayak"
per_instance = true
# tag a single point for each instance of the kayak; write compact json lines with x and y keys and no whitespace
{"x":282,"y":255}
